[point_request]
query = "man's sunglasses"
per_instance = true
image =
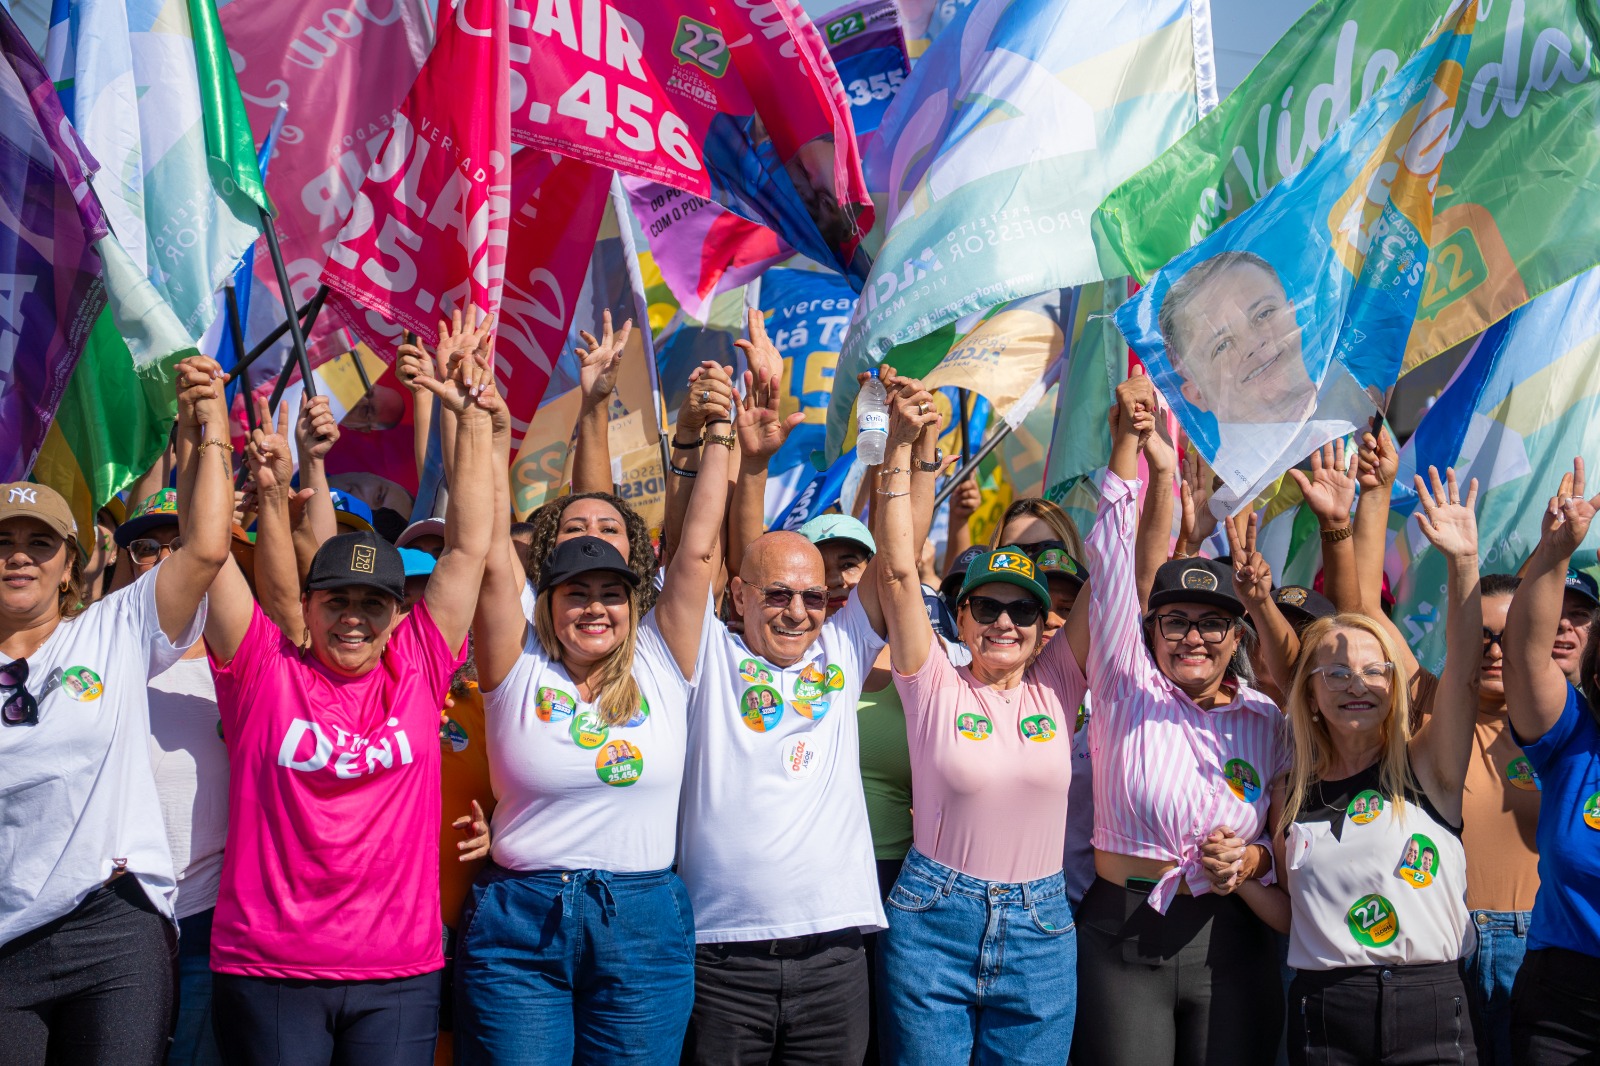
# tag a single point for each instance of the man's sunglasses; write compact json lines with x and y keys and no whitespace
{"x":148,"y":550}
{"x":986,"y":610}
{"x":19,"y":707}
{"x":778,"y":597}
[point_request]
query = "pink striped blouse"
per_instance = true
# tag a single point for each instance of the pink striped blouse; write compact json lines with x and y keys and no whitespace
{"x":1166,"y":771}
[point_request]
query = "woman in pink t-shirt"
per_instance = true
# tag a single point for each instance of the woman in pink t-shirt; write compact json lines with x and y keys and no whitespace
{"x":326,"y":938}
{"x":979,"y":957}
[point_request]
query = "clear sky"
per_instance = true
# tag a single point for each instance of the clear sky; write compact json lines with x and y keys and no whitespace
{"x":1242,"y":31}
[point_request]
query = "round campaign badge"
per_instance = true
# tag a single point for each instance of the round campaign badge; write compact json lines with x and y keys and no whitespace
{"x":1083,"y":715}
{"x":553,"y":704}
{"x":640,"y":715}
{"x":1591,"y":811}
{"x":812,"y":709}
{"x":1419,"y":862}
{"x":1243,"y":781}
{"x":82,"y":684}
{"x":800,"y":756}
{"x":1365,"y":807}
{"x":753,"y":672}
{"x":588,"y":730}
{"x":619,"y":764}
{"x":452,"y":736}
{"x":1372,"y":921}
{"x":1520,"y":773}
{"x":835,"y":678}
{"x":808,"y":686}
{"x":973,"y":726}
{"x":761,"y":707}
{"x":1038,"y":728}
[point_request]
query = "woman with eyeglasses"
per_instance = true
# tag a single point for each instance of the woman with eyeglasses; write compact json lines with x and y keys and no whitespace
{"x":87,"y":933}
{"x":1368,"y":829}
{"x":978,"y":960}
{"x":1170,"y":967}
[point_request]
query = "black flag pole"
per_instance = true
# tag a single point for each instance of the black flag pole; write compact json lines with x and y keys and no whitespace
{"x":307,"y":313}
{"x":236,"y":337}
{"x":297,"y":338}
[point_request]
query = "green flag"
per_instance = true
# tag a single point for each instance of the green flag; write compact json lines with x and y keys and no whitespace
{"x":230,"y":146}
{"x":1514,"y":210}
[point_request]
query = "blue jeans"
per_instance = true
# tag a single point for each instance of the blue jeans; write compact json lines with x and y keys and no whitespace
{"x":976,"y":971}
{"x":555,"y":967}
{"x":193,"y":1042}
{"x":1491,"y":971}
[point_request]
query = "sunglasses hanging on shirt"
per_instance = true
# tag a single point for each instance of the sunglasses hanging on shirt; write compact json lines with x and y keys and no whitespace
{"x":17,"y":705}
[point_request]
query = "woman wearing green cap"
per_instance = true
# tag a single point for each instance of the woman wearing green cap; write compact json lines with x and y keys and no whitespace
{"x":978,"y":962}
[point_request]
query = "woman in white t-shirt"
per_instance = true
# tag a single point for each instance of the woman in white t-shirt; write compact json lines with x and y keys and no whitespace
{"x":86,"y":919}
{"x":577,"y":942}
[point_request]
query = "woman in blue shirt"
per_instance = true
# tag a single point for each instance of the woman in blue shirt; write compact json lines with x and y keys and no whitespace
{"x":1555,"y":1004}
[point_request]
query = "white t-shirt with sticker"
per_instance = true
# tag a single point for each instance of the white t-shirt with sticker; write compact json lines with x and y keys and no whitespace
{"x":77,"y":798}
{"x":774,"y":840}
{"x":572,"y":793}
{"x":190,"y":762}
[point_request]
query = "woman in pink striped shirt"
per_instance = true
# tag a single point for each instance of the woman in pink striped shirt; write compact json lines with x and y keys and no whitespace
{"x":1172,"y":967}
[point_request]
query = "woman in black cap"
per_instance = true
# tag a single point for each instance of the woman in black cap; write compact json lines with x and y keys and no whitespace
{"x":578,"y":939}
{"x":1169,"y":968}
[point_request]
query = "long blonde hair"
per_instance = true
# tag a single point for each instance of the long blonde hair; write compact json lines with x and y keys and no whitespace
{"x":1060,"y":523}
{"x":1313,"y":746}
{"x":611,"y":679}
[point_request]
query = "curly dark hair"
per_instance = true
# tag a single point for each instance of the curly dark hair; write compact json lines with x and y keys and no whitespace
{"x":546,"y":522}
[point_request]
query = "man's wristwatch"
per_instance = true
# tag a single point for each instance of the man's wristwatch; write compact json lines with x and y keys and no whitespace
{"x":935,"y":466}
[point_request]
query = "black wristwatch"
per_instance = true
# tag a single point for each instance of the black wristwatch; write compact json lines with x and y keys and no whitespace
{"x":935,"y":466}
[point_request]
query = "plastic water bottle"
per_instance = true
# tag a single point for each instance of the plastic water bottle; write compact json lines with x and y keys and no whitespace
{"x":872,"y":422}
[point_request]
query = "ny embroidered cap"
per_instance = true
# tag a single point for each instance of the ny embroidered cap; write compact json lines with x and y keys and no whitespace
{"x":1196,"y":581}
{"x":1583,"y":585}
{"x":1302,"y":606}
{"x":24,"y":499}
{"x":826,"y":527}
{"x":1010,"y":566}
{"x":158,"y":509}
{"x":350,"y":512}
{"x":358,"y":559}
{"x":581,"y":555}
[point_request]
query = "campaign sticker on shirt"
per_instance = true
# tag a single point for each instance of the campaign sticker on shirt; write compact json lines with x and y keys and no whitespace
{"x":553,"y":704}
{"x":808,"y":686}
{"x":588,"y":730}
{"x":761,"y":707}
{"x":1372,"y":921}
{"x":452,"y":736}
{"x":1419,"y":862}
{"x":812,"y":709}
{"x":800,"y":755}
{"x":640,"y":715}
{"x":1038,"y":728}
{"x":1365,"y":807}
{"x":974,"y":726}
{"x":1083,"y":715}
{"x":754,"y":672}
{"x":619,"y":764}
{"x":82,"y":684}
{"x":1243,"y":781}
{"x":835,"y":678}
{"x":1520,"y":773}
{"x":1591,"y":811}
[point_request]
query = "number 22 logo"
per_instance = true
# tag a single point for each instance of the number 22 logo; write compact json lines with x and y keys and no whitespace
{"x":701,"y":45}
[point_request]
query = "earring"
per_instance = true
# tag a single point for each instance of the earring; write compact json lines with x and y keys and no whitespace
{"x":1316,"y":716}
{"x":65,"y":586}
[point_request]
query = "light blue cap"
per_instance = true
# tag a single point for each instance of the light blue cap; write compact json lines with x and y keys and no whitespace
{"x":417,"y":563}
{"x":827,"y":527}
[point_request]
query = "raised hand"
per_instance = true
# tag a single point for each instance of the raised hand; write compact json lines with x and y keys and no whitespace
{"x":762,"y":430}
{"x":710,"y":399}
{"x":759,"y":351}
{"x":1567,"y":517}
{"x":601,"y":360}
{"x":1330,"y":491}
{"x":964,"y":501}
{"x":1378,"y":461}
{"x":271,"y":466}
{"x":1137,"y":395}
{"x":911,"y":410}
{"x":1252,"y":576}
{"x":1197,"y":522}
{"x":315,"y":431}
{"x":464,"y":388}
{"x":201,"y":386}
{"x":1447,"y":520}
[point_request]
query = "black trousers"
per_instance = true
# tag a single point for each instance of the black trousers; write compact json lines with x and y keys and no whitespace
{"x":1555,"y":1009}
{"x":92,"y":987}
{"x":276,"y":1021}
{"x":1197,"y":986}
{"x":802,"y":1000}
{"x":1381,"y":1016}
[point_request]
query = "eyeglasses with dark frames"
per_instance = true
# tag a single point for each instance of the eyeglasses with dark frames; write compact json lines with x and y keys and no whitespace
{"x":778,"y":597}
{"x":1213,"y":629}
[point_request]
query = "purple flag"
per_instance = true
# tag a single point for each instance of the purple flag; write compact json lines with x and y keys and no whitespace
{"x":51,"y":288}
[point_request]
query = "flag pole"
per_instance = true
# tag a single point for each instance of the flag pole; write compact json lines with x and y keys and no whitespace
{"x":308,"y":311}
{"x":296,"y":338}
{"x":236,"y":338}
{"x":972,"y":464}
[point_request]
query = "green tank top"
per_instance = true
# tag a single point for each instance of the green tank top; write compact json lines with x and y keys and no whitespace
{"x":885,"y":771}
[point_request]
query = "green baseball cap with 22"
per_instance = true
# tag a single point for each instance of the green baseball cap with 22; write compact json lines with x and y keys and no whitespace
{"x":1008,"y":566}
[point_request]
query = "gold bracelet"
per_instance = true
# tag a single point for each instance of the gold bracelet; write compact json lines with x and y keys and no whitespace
{"x":1334,"y":536}
{"x":727,"y":440}
{"x":215,"y":443}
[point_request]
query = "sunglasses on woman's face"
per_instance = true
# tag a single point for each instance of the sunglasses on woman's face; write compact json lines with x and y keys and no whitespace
{"x":17,"y":707}
{"x":986,"y":611}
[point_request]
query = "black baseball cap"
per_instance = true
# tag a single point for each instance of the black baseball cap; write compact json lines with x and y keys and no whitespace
{"x":1583,"y":585}
{"x":1302,"y":606}
{"x":1195,"y":581}
{"x":580,"y":555}
{"x":362,"y":558}
{"x":950,"y":587}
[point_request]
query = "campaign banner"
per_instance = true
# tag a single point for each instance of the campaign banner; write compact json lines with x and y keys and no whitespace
{"x":806,"y":314}
{"x":1513,"y":210}
{"x":1011,"y":128}
{"x":1007,"y":358}
{"x":1284,"y":329}
{"x":427,"y":231}
{"x":869,"y":51}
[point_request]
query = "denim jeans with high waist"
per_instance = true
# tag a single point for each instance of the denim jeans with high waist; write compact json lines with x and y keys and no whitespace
{"x":1491,"y":971}
{"x":555,"y":967}
{"x":976,"y":971}
{"x":193,"y":1042}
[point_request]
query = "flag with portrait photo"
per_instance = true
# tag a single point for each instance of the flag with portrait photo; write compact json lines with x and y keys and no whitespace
{"x":1285,"y":329}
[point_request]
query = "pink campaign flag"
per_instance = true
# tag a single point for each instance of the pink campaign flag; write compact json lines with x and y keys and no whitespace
{"x":560,"y":204}
{"x":427,"y":231}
